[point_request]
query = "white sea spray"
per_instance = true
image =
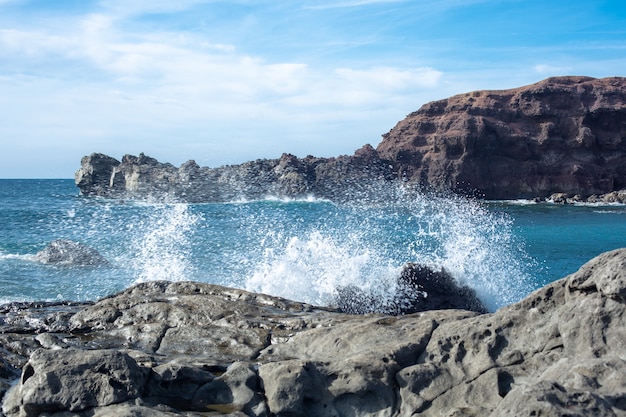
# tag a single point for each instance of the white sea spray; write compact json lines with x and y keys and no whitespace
{"x":162,"y":246}
{"x":367,"y":241}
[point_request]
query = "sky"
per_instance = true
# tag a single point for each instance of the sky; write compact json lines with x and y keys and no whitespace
{"x":224,"y":82}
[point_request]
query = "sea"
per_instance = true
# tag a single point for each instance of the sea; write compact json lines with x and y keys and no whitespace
{"x":302,"y":249}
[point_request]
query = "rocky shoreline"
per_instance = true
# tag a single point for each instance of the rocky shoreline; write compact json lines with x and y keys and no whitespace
{"x":561,"y":140}
{"x":190,"y":349}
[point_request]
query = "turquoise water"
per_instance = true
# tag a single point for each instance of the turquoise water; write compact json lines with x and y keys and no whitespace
{"x":303,"y":250}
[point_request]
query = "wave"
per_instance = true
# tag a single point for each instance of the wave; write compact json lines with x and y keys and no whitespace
{"x":523,"y":202}
{"x":20,"y":257}
{"x":304,"y":249}
{"x":162,"y":246}
{"x":375,"y":238}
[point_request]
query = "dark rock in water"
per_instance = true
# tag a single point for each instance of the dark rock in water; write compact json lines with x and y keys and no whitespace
{"x":428,"y":289}
{"x":69,"y":253}
{"x":420,"y":288}
{"x":166,"y":349}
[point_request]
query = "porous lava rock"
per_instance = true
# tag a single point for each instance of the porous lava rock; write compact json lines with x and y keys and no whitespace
{"x":561,"y":135}
{"x":192,"y":349}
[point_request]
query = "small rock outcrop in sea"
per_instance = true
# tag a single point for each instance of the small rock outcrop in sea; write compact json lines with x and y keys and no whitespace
{"x":561,"y":135}
{"x":561,"y":138}
{"x":65,"y":252}
{"x":184,"y":348}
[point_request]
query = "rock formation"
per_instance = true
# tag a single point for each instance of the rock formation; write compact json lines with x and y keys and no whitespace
{"x":339,"y":179}
{"x":420,"y":288}
{"x":561,"y":139}
{"x":167,"y":349}
{"x":561,"y":135}
{"x":65,"y":252}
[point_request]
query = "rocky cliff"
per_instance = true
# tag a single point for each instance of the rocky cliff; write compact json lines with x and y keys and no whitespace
{"x":563,"y":138}
{"x":561,"y":135}
{"x":171,"y":349}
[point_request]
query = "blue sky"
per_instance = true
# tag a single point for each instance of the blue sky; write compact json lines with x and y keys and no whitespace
{"x":224,"y":82}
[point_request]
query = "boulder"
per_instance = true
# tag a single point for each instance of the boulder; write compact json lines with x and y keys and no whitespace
{"x":74,"y":380}
{"x":419,"y":288}
{"x":184,"y":348}
{"x":97,"y":174}
{"x":65,"y":252}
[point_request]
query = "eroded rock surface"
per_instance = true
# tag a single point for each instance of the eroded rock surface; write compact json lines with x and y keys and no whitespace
{"x":561,"y":135}
{"x":165,"y":349}
{"x":340,"y":179}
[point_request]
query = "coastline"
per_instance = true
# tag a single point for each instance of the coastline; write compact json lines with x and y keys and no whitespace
{"x":165,"y":349}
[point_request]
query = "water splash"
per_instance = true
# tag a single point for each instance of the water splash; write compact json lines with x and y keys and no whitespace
{"x":163,"y":246}
{"x":312,"y":268}
{"x":365,"y":243}
{"x":475,"y":245}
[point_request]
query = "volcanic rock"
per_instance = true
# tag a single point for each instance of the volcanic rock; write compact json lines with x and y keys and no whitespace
{"x":560,"y":135}
{"x":339,"y":179}
{"x":65,"y":252}
{"x":184,"y":348}
{"x":420,"y":288}
{"x":563,"y":135}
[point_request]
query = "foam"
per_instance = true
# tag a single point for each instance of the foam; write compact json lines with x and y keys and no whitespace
{"x":373,"y":239}
{"x":163,"y":247}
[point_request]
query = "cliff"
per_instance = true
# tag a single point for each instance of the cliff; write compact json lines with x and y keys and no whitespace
{"x":561,"y":135}
{"x":168,"y":349}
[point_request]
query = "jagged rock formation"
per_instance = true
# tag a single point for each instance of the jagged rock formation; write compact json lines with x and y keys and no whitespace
{"x":167,"y":349}
{"x":561,"y":135}
{"x":341,"y":178}
{"x":562,"y":139}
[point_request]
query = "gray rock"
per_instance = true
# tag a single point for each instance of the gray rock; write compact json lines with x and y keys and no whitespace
{"x":340,"y":179}
{"x":161,"y":349}
{"x":74,"y":380}
{"x":176,"y":385}
{"x":236,"y":390}
{"x":65,"y":252}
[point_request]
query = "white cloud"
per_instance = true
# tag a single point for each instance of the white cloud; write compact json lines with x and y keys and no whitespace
{"x":391,"y":78}
{"x":98,"y":86}
{"x":545,"y":69}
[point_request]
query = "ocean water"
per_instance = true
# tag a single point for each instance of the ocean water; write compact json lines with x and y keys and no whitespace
{"x":300,"y":249}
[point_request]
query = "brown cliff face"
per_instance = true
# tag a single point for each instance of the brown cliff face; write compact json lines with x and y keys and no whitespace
{"x":561,"y":135}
